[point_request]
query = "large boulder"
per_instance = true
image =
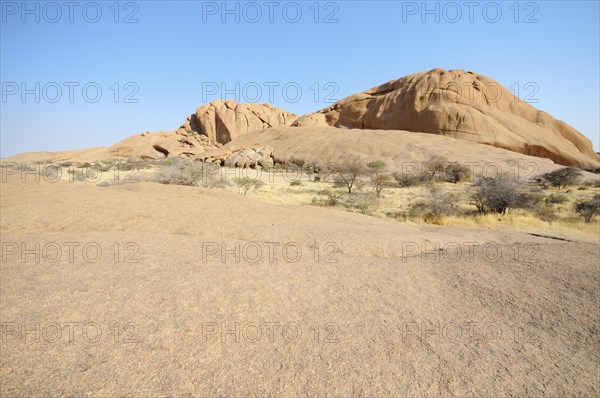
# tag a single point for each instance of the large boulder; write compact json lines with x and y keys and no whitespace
{"x":249,"y":157}
{"x":222,"y":121}
{"x":463,"y":105}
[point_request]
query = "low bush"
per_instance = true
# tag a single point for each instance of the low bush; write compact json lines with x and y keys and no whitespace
{"x":589,"y":208}
{"x":247,"y":184}
{"x":501,"y":193}
{"x":407,"y":180}
{"x":444,"y":171}
{"x":362,"y":202}
{"x":556,"y":199}
{"x":183,"y":173}
{"x":190,"y":173}
{"x":436,"y":204}
{"x":331,"y":198}
{"x":133,"y":165}
{"x":296,"y":161}
{"x":545,"y":212}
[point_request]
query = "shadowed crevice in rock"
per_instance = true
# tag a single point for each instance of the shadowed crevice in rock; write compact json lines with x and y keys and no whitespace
{"x":161,"y":150}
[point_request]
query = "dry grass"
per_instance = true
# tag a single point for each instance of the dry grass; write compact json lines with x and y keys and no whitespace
{"x":394,"y":202}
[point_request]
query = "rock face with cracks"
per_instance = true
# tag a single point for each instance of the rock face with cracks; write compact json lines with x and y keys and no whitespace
{"x":223,"y":121}
{"x":164,"y":144}
{"x":463,"y":105}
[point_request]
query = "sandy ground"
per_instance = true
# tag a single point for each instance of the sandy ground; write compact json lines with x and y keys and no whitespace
{"x":152,"y":301}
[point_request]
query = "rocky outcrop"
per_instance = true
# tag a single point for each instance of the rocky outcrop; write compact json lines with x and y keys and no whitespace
{"x":164,"y":144}
{"x":223,"y":121}
{"x":457,"y":104}
{"x":252,"y":157}
{"x":463,"y":105}
{"x":212,"y":125}
{"x":402,"y":151}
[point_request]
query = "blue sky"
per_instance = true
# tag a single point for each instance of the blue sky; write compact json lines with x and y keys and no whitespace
{"x":166,"y":59}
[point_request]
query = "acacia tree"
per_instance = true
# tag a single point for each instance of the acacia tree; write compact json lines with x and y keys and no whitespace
{"x":379,"y":179}
{"x":498,"y":194}
{"x":560,"y":178}
{"x":346,"y":174}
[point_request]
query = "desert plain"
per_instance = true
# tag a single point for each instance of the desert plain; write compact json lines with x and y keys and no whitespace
{"x":173,"y":283}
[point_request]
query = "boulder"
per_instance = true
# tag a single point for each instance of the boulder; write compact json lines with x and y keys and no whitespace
{"x":222,"y":121}
{"x":232,"y":160}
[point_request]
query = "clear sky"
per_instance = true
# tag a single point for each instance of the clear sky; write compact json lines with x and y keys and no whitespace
{"x":156,"y":61}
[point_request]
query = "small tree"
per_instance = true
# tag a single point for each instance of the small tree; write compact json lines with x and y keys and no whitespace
{"x":246,"y":184}
{"x":346,"y":174}
{"x":498,"y":194}
{"x":588,"y":209}
{"x":379,"y":179}
{"x":560,"y":178}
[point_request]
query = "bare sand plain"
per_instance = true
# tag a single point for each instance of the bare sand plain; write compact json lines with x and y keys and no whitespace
{"x":144,"y":289}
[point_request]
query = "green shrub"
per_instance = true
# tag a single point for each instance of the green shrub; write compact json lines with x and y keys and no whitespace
{"x":377,"y":165}
{"x":295,"y":183}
